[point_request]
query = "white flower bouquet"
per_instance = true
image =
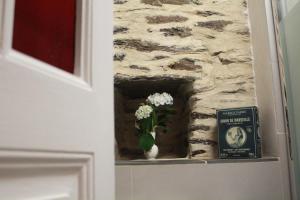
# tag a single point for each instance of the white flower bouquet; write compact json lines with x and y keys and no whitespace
{"x":151,"y":115}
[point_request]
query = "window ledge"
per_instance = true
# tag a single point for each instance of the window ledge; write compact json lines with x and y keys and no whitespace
{"x":191,"y":161}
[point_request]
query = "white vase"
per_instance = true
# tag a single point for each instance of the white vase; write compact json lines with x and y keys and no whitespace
{"x":153,"y":152}
{"x":153,"y":134}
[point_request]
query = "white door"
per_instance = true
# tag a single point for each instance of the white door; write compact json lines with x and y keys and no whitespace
{"x":56,"y":128}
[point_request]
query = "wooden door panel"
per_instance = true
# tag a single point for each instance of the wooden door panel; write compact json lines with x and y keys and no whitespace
{"x":43,"y":176}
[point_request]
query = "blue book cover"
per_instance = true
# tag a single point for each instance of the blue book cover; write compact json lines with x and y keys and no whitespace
{"x":238,"y":133}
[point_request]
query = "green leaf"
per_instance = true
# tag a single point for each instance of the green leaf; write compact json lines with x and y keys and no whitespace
{"x":146,"y":141}
{"x":154,"y":119}
{"x":146,"y":125}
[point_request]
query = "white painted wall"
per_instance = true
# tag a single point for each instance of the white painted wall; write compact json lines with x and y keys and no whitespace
{"x":291,"y":4}
{"x":268,"y":87}
{"x":230,"y":181}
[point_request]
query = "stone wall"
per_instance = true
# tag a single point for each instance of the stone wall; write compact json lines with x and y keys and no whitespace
{"x":207,"y":41}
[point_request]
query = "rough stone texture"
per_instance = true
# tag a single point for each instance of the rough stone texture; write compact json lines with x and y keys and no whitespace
{"x":161,"y":2}
{"x":185,"y":64}
{"x":217,"y":25}
{"x":120,"y":29}
{"x":160,"y":19}
{"x":208,"y":13}
{"x":177,"y":31}
{"x":119,"y":56}
{"x":119,"y":1}
{"x":207,"y":41}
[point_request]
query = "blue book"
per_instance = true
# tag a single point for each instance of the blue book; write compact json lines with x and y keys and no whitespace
{"x":238,"y":133}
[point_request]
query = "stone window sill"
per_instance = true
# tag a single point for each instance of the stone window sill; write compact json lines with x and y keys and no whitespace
{"x":190,"y":161}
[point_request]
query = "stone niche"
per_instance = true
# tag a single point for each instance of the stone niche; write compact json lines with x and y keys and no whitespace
{"x":206,"y":40}
{"x":129,"y":93}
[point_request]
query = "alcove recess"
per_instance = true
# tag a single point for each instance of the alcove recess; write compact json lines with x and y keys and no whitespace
{"x":129,"y":93}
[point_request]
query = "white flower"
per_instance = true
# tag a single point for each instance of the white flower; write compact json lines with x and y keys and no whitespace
{"x":160,"y":99}
{"x":143,"y":112}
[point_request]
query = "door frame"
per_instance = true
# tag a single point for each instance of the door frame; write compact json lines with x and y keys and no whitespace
{"x":269,"y":90}
{"x":281,"y":65}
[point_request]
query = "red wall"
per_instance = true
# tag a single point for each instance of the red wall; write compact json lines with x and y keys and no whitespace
{"x":45,"y":29}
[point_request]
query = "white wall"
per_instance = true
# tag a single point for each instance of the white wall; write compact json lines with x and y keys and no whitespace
{"x":291,"y":4}
{"x":229,"y":181}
